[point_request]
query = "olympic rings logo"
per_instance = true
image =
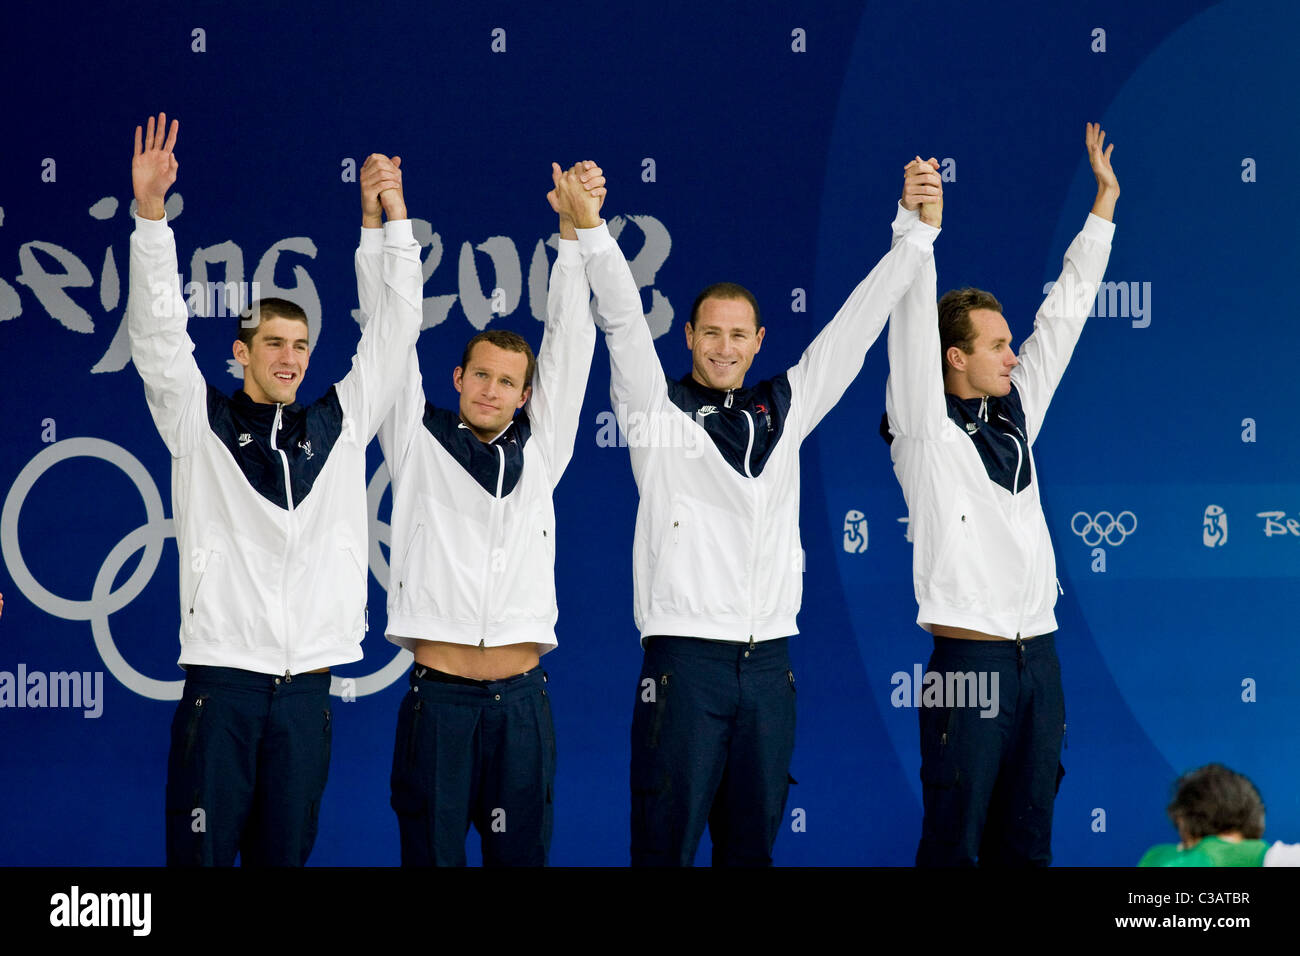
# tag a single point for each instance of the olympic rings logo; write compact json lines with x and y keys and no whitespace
{"x":1113,"y":529}
{"x":104,"y":601}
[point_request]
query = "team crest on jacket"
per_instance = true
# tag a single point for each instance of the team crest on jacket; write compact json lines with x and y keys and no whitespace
{"x":306,"y":447}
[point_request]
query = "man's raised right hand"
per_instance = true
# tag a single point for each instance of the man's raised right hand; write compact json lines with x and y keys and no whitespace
{"x":153,"y":167}
{"x":578,"y":194}
{"x":381,"y":190}
{"x":923,"y":189}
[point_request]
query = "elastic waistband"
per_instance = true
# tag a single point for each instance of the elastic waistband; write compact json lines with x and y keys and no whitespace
{"x":1033,"y":646}
{"x":706,"y":649}
{"x":427,"y":679}
{"x":252,"y":680}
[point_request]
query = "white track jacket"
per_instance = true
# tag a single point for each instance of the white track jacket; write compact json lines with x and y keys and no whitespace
{"x":982,"y":556}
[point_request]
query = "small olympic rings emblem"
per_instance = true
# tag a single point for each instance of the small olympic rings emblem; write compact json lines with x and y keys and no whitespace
{"x":1113,"y":529}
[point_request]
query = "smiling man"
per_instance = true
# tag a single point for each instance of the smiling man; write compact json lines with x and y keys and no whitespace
{"x":717,"y":561}
{"x":273,"y":348}
{"x":471,"y":590}
{"x":962,"y":414}
{"x":269,"y":498}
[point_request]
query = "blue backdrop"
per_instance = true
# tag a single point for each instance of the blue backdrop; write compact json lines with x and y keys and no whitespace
{"x":758,"y":143}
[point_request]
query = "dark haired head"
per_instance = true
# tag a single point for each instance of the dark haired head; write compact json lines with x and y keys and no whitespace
{"x":1213,"y":799}
{"x":955,"y":326}
{"x":271,"y":308}
{"x":727,"y":290}
{"x":509,"y":341}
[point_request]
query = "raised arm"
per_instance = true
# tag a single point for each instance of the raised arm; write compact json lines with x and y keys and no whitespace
{"x":1060,"y":319}
{"x":914,"y":399}
{"x":156,"y":315}
{"x":636,"y":380}
{"x":836,"y":355}
{"x":389,"y":290}
{"x":379,"y":173}
{"x":564,"y":359}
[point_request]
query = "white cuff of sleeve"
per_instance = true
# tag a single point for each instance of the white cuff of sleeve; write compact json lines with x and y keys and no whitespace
{"x":398,"y":231}
{"x":903,"y":219}
{"x":922,"y":235}
{"x":594,"y":240}
{"x":570,"y":253}
{"x":372,"y":240}
{"x":156,"y":227}
{"x":1099,"y":229}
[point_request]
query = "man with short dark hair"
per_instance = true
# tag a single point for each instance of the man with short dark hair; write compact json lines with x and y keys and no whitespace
{"x":717,"y":560}
{"x":471,"y":589}
{"x":962,"y":433}
{"x":1220,"y":820}
{"x":269,"y":499}
{"x":955,"y":327}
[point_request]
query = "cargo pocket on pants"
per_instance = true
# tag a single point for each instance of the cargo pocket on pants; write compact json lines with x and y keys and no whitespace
{"x":940,"y":776}
{"x":313,"y":809}
{"x":651,"y":782}
{"x":186,"y":818}
{"x":408,"y":799}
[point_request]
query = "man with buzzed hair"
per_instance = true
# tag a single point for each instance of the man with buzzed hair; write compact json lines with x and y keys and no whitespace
{"x":962,"y":415}
{"x":471,"y":589}
{"x":717,"y":561}
{"x":269,"y":499}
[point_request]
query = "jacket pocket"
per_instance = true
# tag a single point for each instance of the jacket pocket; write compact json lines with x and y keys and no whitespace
{"x":527,"y":566}
{"x":334,"y":596}
{"x":957,"y":571}
{"x":690,"y":573}
{"x":362,"y":571}
{"x":403,"y":570}
{"x":202,"y":565}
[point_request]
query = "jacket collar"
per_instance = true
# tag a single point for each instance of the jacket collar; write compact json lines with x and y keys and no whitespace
{"x":972,"y":409}
{"x":714,"y":396}
{"x":249,"y":407}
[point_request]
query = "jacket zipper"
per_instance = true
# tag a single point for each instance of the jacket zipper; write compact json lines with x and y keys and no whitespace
{"x":753,"y":546}
{"x":1015,"y":483}
{"x":749,"y":420}
{"x":284,"y":565}
{"x":492,"y":537}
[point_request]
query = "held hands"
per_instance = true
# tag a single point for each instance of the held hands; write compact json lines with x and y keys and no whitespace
{"x":381,"y":190}
{"x":153,"y":167}
{"x":1107,"y":184}
{"x":578,"y":195}
{"x":923,"y":189}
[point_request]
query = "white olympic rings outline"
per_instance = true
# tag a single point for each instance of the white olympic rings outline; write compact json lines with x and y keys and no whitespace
{"x":151,"y":535}
{"x":1112,"y":523}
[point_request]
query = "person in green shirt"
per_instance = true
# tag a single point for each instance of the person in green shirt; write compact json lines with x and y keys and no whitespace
{"x":1220,"y":821}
